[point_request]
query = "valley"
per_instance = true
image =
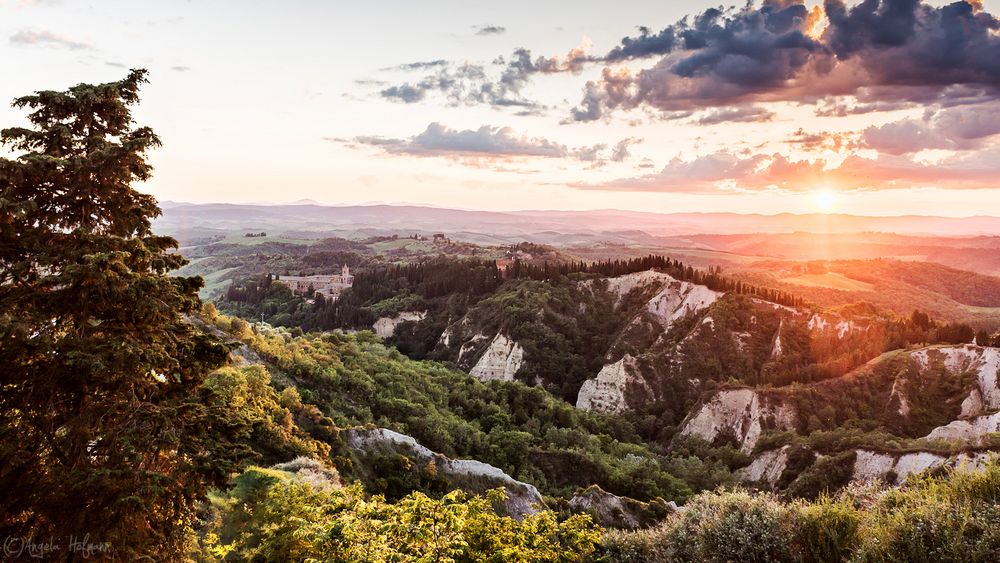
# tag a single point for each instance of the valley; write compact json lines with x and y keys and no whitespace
{"x":798,"y":377}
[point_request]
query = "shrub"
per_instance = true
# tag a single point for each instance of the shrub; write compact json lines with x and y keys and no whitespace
{"x":828,"y":530}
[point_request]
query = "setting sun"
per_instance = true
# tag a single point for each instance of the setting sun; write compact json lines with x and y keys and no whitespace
{"x":825,"y":200}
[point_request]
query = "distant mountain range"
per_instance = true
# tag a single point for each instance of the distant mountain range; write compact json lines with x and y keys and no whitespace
{"x":323,"y":219}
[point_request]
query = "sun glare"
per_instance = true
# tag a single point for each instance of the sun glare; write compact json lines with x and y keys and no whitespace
{"x":825,"y":200}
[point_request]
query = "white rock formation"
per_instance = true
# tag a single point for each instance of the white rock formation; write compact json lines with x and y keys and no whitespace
{"x":816,"y":322}
{"x":957,"y":359}
{"x":973,"y":404}
{"x":679,"y":299}
{"x":766,"y":467}
{"x":621,"y":286}
{"x":896,"y":393}
{"x":469,"y":346}
{"x":872,"y":466}
{"x":843,"y":327}
{"x":500,"y":361}
{"x":606,"y":392}
{"x":967,"y":429}
{"x":776,"y":348}
{"x":673,"y":300}
{"x":612,"y":510}
{"x":385,"y":327}
{"x":522,"y":498}
{"x":741,"y":411}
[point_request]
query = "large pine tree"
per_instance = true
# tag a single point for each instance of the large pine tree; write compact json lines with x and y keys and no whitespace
{"x":105,"y":426}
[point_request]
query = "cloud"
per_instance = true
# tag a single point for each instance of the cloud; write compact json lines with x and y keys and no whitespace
{"x":725,"y":172}
{"x":882,"y":51}
{"x":488,"y":142}
{"x":490,"y":30}
{"x":419,"y":65}
{"x":47,"y":38}
{"x":498,"y":84}
{"x":737,"y":114}
{"x":835,"y":142}
{"x":621,"y":151}
{"x":180,"y":68}
{"x":957,"y":128}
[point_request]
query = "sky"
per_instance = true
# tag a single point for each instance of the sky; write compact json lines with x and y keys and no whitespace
{"x":879,"y":107}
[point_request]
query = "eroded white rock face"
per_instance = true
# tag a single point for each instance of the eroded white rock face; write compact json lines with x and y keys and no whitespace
{"x":679,"y":299}
{"x":366,"y":439}
{"x":469,"y":346}
{"x":621,"y":286}
{"x":967,"y":429}
{"x":872,"y":466}
{"x":982,"y":360}
{"x":500,"y":361}
{"x":973,"y":404}
{"x":673,"y":300}
{"x":766,"y":467}
{"x":776,"y":348}
{"x":522,"y":498}
{"x":385,"y":327}
{"x":606,"y":392}
{"x":741,"y":411}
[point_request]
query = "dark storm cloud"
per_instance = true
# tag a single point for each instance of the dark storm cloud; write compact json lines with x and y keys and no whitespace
{"x":887,"y":51}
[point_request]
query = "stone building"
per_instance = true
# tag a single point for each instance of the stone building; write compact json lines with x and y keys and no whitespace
{"x":329,"y":286}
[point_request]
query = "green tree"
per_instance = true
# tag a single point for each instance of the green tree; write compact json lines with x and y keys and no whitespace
{"x":106,"y":427}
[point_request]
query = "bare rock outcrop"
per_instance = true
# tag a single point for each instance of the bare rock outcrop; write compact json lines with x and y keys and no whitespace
{"x":385,"y":327}
{"x":673,"y":299}
{"x":522,"y":498}
{"x":969,"y":429}
{"x":742,"y":413}
{"x":984,"y":361}
{"x":613,"y":511}
{"x":500,"y":361}
{"x":766,"y":467}
{"x":870,"y":466}
{"x":606,"y":392}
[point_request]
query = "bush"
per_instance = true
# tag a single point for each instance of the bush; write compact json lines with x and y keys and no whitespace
{"x":952,"y":516}
{"x":828,"y":530}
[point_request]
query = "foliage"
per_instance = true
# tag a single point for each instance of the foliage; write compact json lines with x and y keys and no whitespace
{"x":106,"y":426}
{"x":947,"y":517}
{"x":523,"y":430}
{"x":272,"y":515}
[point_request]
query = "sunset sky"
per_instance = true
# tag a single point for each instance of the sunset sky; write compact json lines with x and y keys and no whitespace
{"x":874,"y":108}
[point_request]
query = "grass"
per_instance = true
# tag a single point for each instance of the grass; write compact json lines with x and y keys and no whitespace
{"x":215,"y":281}
{"x":252,"y":241}
{"x":830,"y":280}
{"x":408,"y":244}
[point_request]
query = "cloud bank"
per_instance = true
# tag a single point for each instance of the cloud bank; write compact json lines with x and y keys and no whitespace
{"x":491,"y":142}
